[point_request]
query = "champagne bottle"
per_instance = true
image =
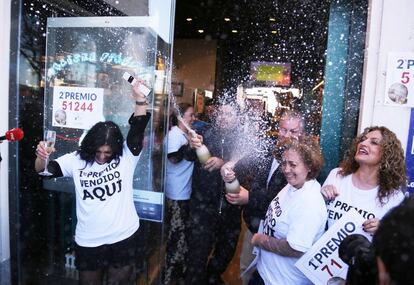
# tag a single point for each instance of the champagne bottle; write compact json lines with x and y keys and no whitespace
{"x":233,"y":186}
{"x":203,"y":154}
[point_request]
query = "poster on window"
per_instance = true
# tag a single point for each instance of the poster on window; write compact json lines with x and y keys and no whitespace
{"x":399,"y":86}
{"x":322,"y":263}
{"x":77,"y":107}
{"x":149,"y":205}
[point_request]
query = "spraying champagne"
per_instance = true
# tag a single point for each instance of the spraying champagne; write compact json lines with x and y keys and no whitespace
{"x":202,"y":152}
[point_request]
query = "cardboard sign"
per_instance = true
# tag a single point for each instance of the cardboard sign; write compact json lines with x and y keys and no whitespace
{"x":322,"y":262}
{"x":77,"y":107}
{"x":399,"y":87}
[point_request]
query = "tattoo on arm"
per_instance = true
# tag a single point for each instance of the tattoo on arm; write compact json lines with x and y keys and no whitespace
{"x":280,"y":246}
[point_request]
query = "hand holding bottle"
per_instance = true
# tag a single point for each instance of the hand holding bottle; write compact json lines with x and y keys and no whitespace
{"x":195,"y":139}
{"x":240,"y":198}
{"x":203,"y":154}
{"x":231,"y":184}
{"x":213,"y":163}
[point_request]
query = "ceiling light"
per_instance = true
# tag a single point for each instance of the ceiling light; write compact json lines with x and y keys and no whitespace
{"x":273,"y":32}
{"x":272,"y":19}
{"x":234,"y":31}
{"x":227,"y":19}
{"x":189,"y":19}
{"x":200,"y":31}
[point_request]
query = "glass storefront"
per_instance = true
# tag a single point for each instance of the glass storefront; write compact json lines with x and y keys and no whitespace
{"x":67,"y":64}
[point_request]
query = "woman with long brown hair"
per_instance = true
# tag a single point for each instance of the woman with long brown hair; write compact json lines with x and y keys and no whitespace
{"x":371,"y":178}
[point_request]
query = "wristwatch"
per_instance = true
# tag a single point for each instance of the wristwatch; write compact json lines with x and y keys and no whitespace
{"x":141,"y":103}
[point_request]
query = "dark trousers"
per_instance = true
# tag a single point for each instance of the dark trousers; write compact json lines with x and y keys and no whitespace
{"x":212,"y":242}
{"x":177,"y":220}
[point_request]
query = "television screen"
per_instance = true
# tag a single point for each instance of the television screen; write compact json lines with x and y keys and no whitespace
{"x":271,"y":73}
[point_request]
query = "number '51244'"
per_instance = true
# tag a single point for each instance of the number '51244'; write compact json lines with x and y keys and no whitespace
{"x":77,"y":106}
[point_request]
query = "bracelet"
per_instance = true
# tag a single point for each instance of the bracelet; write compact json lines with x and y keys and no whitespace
{"x":141,"y":103}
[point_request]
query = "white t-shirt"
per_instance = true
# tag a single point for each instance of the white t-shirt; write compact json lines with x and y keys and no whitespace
{"x":299,"y":216}
{"x":104,"y":198}
{"x":178,"y":186}
{"x":364,"y":201}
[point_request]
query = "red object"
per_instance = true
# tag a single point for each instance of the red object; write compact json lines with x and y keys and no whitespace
{"x":12,"y":135}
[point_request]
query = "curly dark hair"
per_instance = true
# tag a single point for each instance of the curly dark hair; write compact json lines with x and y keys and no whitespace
{"x":309,"y":151}
{"x":392,"y":172}
{"x":102,"y":133}
{"x":182,"y":108}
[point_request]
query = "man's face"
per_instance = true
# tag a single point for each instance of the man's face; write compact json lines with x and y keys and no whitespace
{"x":226,"y":117}
{"x":290,"y":128}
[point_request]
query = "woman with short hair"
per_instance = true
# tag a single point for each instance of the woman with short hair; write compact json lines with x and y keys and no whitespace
{"x":295,"y":219}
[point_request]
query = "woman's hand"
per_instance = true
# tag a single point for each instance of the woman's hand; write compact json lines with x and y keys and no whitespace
{"x":138,"y":95}
{"x":329,"y":192}
{"x":213,"y":163}
{"x":140,"y":99}
{"x":241,"y":198}
{"x":41,"y":156}
{"x":371,"y":225}
{"x":259,"y":240}
{"x":41,"y":152}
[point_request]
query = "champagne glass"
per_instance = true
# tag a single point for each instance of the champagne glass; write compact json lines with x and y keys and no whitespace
{"x":50,"y":139}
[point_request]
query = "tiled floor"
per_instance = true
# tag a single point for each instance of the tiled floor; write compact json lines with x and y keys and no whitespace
{"x":5,"y":272}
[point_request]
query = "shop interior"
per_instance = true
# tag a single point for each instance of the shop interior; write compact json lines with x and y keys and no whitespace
{"x":272,"y":52}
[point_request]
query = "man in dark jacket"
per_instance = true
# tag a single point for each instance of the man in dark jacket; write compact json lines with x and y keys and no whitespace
{"x":215,"y":224}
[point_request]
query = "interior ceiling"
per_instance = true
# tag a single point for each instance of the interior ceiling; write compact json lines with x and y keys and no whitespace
{"x":245,"y":17}
{"x":297,"y":34}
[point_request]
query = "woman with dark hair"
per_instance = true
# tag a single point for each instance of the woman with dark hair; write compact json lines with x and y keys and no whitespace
{"x":179,"y":169}
{"x":295,"y":218}
{"x":102,"y":170}
{"x":370,"y":179}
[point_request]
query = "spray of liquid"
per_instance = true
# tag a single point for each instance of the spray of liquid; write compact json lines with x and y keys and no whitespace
{"x":251,"y":136}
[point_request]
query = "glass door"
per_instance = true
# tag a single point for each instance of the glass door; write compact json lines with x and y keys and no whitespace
{"x":69,"y":75}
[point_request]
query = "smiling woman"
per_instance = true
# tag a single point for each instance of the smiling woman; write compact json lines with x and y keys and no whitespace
{"x":295,"y":218}
{"x":371,"y":178}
